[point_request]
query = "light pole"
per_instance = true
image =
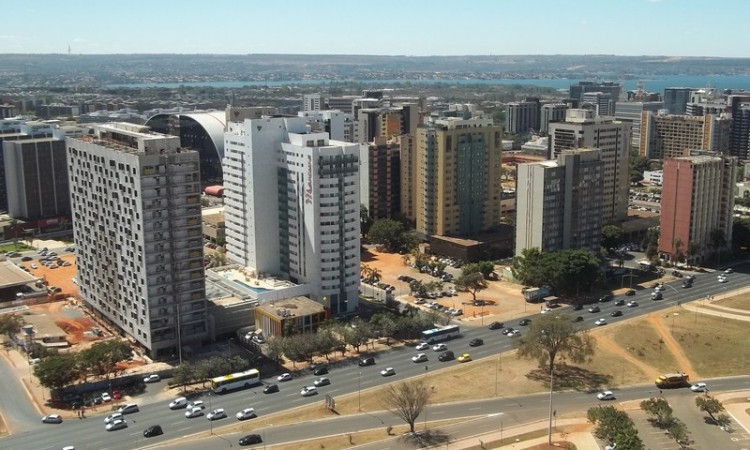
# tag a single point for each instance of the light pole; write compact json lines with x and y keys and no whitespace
{"x":551,"y":384}
{"x":359,"y":392}
{"x":210,"y":422}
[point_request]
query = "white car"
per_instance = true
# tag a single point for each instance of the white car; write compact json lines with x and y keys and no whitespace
{"x":106,"y":397}
{"x":601,"y":322}
{"x":606,"y":395}
{"x":419,"y":357}
{"x":388,"y":371}
{"x":216,"y":414}
{"x":308,"y":391}
{"x":632,"y":304}
{"x":723,"y":279}
{"x":322,"y":381}
{"x":699,"y":387}
{"x":178,"y":403}
{"x":545,"y":310}
{"x":112,"y":417}
{"x":286,"y":376}
{"x":729,"y":270}
{"x":439,"y":347}
{"x":52,"y":418}
{"x":247,"y":413}
{"x":153,"y":378}
{"x":116,"y":425}
{"x":514,"y":333}
{"x":422,"y":346}
{"x":196,"y":404}
{"x":193,"y":412}
{"x":34,"y":266}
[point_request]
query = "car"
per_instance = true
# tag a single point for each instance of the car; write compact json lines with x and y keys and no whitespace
{"x":577,"y":307}
{"x":687,"y":285}
{"x":116,"y":425}
{"x":130,"y":408}
{"x":112,"y":417}
{"x":545,"y":310}
{"x":193,"y":412}
{"x":250,"y":439}
{"x":507,"y":331}
{"x":322,"y":370}
{"x":606,"y":395}
{"x":495,"y":326}
{"x":612,"y":446}
{"x":178,"y":403}
{"x":271,"y":388}
{"x":690,"y":278}
{"x":286,"y":376}
{"x":308,"y":391}
{"x":630,"y":292}
{"x":657,"y":296}
{"x":514,"y":333}
{"x":594,"y":309}
{"x":216,"y":414}
{"x":52,"y":418}
{"x":247,"y":413}
{"x":464,"y":358}
{"x":388,"y":371}
{"x":699,"y":387}
{"x":153,"y":378}
{"x":632,"y":304}
{"x":106,"y":397}
{"x":196,"y":404}
{"x":601,"y":322}
{"x":439,"y":347}
{"x":524,"y":322}
{"x":476,"y":342}
{"x":605,"y":298}
{"x":616,"y":313}
{"x":34,"y":266}
{"x":578,"y":319}
{"x":620,"y":302}
{"x":26,"y":258}
{"x":70,"y":248}
{"x":422,"y":346}
{"x":419,"y":357}
{"x":457,"y":312}
{"x":723,"y":279}
{"x":729,"y":270}
{"x":322,"y":381}
{"x":366,"y":361}
{"x":153,"y":430}
{"x":446,"y":356}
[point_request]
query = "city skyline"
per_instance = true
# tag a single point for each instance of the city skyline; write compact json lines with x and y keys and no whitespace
{"x":482,"y":27}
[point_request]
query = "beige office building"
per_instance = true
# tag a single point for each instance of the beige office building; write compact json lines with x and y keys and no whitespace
{"x":670,"y":136}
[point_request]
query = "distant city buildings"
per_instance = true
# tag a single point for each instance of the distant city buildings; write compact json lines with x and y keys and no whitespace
{"x":135,"y":196}
{"x":669,"y":136}
{"x":608,"y":87}
{"x":632,"y":112}
{"x":380,"y":179}
{"x":522,"y":117}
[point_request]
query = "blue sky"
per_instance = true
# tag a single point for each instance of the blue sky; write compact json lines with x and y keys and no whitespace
{"x":392,"y":27}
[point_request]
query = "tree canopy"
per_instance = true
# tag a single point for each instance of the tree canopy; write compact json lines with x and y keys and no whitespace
{"x":57,"y":371}
{"x":611,"y":236}
{"x":615,"y":426}
{"x":553,"y":336}
{"x":391,"y":234}
{"x":407,"y":400}
{"x":471,"y":283}
{"x":569,"y":271}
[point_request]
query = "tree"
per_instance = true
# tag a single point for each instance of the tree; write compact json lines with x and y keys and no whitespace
{"x":183,"y":375}
{"x":471,"y":283}
{"x":356,"y":334}
{"x":102,"y":357}
{"x":679,"y":432}
{"x":11,"y":324}
{"x":365,"y":221}
{"x":275,"y":349}
{"x":407,"y":400}
{"x":388,"y":233}
{"x":614,"y":425}
{"x":573,"y":270}
{"x":552,"y":336}
{"x":484,"y":267}
{"x":611,"y":236}
{"x":660,"y":411}
{"x":528,"y":268}
{"x":709,"y":405}
{"x":741,"y":233}
{"x":56,"y":372}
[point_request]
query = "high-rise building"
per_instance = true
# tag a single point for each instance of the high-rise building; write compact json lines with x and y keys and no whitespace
{"x":36,"y":177}
{"x":601,"y":103}
{"x":559,"y":203}
{"x":380,"y":183}
{"x":577,"y":90}
{"x":407,"y":144}
{"x":292,"y":207}
{"x":676,"y":99}
{"x":551,"y":112}
{"x":739,"y":107}
{"x":632,"y":112}
{"x":612,"y":137}
{"x":135,"y":196}
{"x":457,"y":191}
{"x":669,"y":136}
{"x":522,"y":117}
{"x":311,"y":102}
{"x":387,"y":122}
{"x":697,"y":204}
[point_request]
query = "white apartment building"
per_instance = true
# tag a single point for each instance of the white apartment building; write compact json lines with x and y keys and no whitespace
{"x":292,"y":207}
{"x":135,"y":200}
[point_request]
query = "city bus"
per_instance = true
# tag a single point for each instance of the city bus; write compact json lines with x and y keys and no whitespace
{"x":235,"y":381}
{"x":445,"y":333}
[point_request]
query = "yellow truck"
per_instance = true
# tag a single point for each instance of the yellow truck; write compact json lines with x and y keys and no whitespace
{"x":672,"y":380}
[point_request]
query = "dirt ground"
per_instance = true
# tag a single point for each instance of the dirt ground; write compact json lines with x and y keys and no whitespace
{"x":61,"y":277}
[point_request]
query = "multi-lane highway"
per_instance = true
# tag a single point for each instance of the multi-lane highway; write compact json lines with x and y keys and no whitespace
{"x":346,"y":378}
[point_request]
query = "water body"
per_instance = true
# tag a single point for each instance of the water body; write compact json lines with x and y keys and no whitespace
{"x":652,"y":84}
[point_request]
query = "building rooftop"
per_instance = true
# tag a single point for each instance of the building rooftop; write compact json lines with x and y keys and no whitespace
{"x":11,"y":275}
{"x":294,"y":306}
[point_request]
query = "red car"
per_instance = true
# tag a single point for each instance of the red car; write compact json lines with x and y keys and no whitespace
{"x":117,"y":395}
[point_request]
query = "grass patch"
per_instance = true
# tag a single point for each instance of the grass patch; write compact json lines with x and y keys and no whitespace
{"x":618,"y":370}
{"x":715,"y":346}
{"x":741,"y":301}
{"x":11,"y":247}
{"x":343,"y":441}
{"x":643,"y":342}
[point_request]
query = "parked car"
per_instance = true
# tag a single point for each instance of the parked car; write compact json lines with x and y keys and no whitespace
{"x":153,"y":430}
{"x":247,"y":413}
{"x":271,"y":388}
{"x":106,"y":397}
{"x":153,"y":378}
{"x":388,"y":371}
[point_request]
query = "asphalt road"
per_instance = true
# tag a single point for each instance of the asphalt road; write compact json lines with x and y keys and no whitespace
{"x":346,"y":378}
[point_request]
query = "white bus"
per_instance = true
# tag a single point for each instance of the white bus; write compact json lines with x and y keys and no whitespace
{"x":445,"y":333}
{"x":235,"y":381}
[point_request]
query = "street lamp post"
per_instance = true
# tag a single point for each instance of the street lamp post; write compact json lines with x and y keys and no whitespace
{"x":551,"y":384}
{"x":210,"y":422}
{"x":359,"y":392}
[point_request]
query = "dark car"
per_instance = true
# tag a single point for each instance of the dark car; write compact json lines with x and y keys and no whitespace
{"x":617,"y":313}
{"x":446,"y":356}
{"x":495,"y":326}
{"x":476,"y":342}
{"x":507,"y":330}
{"x":620,"y":302}
{"x":578,"y":319}
{"x":26,"y":258}
{"x":317,"y":365}
{"x":250,"y":439}
{"x":630,"y":292}
{"x":577,"y":307}
{"x":271,"y":388}
{"x":524,"y":322}
{"x":322,"y":370}
{"x":154,"y":430}
{"x":368,"y":361}
{"x":605,"y":298}
{"x":594,"y":309}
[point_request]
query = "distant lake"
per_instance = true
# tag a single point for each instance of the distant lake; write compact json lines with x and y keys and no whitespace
{"x":651,"y":84}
